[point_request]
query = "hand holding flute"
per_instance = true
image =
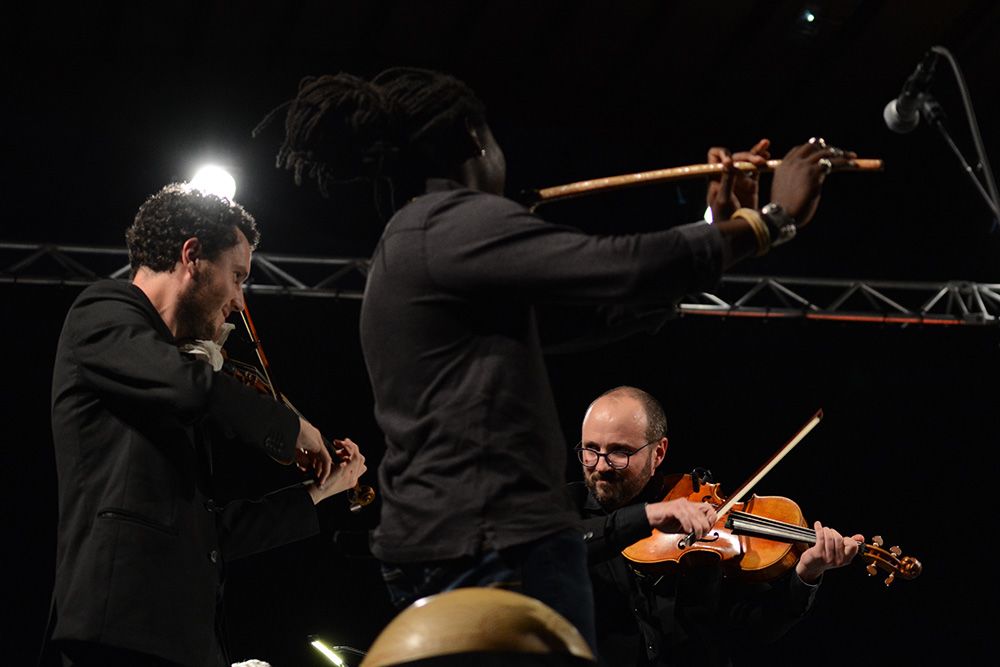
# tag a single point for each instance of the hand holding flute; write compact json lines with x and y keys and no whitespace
{"x":795,"y":193}
{"x":741,"y":162}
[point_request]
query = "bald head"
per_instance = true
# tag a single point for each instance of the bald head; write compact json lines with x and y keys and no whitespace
{"x":624,"y":420}
{"x":651,"y":411}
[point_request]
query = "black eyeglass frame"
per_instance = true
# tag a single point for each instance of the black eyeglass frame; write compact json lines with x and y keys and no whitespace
{"x":580,"y":449}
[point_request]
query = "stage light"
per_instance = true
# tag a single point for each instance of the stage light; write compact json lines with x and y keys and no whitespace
{"x":809,"y":23}
{"x":215,"y":180}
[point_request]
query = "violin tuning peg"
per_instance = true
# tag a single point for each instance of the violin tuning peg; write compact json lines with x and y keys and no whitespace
{"x":890,"y":579}
{"x":872,"y":570}
{"x":877,"y":541}
{"x":896,"y":551}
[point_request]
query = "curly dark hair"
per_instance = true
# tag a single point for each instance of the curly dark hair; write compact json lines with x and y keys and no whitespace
{"x":176,"y":213}
{"x":404,"y":125}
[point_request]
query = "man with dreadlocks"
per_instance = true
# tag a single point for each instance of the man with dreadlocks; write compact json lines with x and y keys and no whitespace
{"x":473,"y":477}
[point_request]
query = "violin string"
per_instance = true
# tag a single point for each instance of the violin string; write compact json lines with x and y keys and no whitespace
{"x":771,"y":532}
{"x":775,"y":524}
{"x":775,"y":527}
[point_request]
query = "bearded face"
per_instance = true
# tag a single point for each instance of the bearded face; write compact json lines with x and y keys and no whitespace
{"x":198,"y":311}
{"x":214,"y":291}
{"x":616,"y":427}
{"x":616,"y":488}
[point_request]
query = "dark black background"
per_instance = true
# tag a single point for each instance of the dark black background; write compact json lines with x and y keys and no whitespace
{"x":105,"y":103}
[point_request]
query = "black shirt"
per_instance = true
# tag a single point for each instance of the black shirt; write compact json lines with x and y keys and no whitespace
{"x":475,"y":458}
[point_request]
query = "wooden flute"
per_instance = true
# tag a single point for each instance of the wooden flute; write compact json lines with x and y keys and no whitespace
{"x":534,"y":198}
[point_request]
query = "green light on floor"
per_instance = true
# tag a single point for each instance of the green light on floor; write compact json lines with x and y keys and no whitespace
{"x":327,"y":652}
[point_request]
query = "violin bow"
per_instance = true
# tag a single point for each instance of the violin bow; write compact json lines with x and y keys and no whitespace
{"x":748,"y":485}
{"x":358,"y":497}
{"x":259,"y":348}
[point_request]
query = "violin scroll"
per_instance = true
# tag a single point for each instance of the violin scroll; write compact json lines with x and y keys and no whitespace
{"x":360,"y":496}
{"x":889,"y":560}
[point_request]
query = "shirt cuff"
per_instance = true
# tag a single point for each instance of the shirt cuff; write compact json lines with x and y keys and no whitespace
{"x":631,"y":524}
{"x":802,"y":594}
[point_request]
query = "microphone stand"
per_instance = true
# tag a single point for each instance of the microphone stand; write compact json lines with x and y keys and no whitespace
{"x":932,"y":111}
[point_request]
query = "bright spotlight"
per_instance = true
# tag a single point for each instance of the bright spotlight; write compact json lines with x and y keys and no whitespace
{"x":808,"y":16}
{"x":214,"y":180}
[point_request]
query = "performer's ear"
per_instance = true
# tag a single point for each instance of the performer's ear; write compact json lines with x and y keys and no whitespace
{"x":190,"y":251}
{"x":660,"y":451}
{"x":478,"y":146}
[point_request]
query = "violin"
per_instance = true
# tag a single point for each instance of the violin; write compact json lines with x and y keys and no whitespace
{"x":757,"y":540}
{"x":358,"y":497}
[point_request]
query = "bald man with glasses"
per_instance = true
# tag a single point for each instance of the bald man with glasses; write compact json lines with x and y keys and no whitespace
{"x":693,"y":612}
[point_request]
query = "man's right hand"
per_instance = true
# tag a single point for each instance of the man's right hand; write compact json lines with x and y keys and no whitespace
{"x":681,"y":516}
{"x":311,"y":454}
{"x":798,"y":180}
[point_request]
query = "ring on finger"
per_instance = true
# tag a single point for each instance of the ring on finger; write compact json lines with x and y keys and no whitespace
{"x":826,"y":164}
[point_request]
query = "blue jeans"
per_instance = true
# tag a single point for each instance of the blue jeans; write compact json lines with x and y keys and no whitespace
{"x":552,"y":569}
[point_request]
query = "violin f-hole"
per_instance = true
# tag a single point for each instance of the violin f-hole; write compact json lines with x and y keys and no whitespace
{"x":685,"y":542}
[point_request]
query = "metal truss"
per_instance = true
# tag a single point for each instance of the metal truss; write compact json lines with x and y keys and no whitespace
{"x":873,"y":301}
{"x":291,"y":275}
{"x":886,"y":302}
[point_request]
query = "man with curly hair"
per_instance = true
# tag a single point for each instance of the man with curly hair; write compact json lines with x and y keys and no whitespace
{"x":142,"y":540}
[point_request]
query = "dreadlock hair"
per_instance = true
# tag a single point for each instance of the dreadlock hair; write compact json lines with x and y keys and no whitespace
{"x":403,"y":126}
{"x":178,"y":212}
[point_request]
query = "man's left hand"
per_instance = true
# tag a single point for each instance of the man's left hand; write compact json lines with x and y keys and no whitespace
{"x":832,"y":550}
{"x":350,"y":465}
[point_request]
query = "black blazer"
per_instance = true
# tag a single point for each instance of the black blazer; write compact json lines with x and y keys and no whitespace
{"x":141,"y":541}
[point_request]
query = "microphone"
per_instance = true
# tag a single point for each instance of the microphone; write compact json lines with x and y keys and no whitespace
{"x":902,"y":114}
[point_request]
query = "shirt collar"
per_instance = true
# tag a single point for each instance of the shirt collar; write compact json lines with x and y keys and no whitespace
{"x":442,"y":184}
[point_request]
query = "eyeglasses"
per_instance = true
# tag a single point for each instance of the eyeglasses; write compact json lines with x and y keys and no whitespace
{"x":618,"y":459}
